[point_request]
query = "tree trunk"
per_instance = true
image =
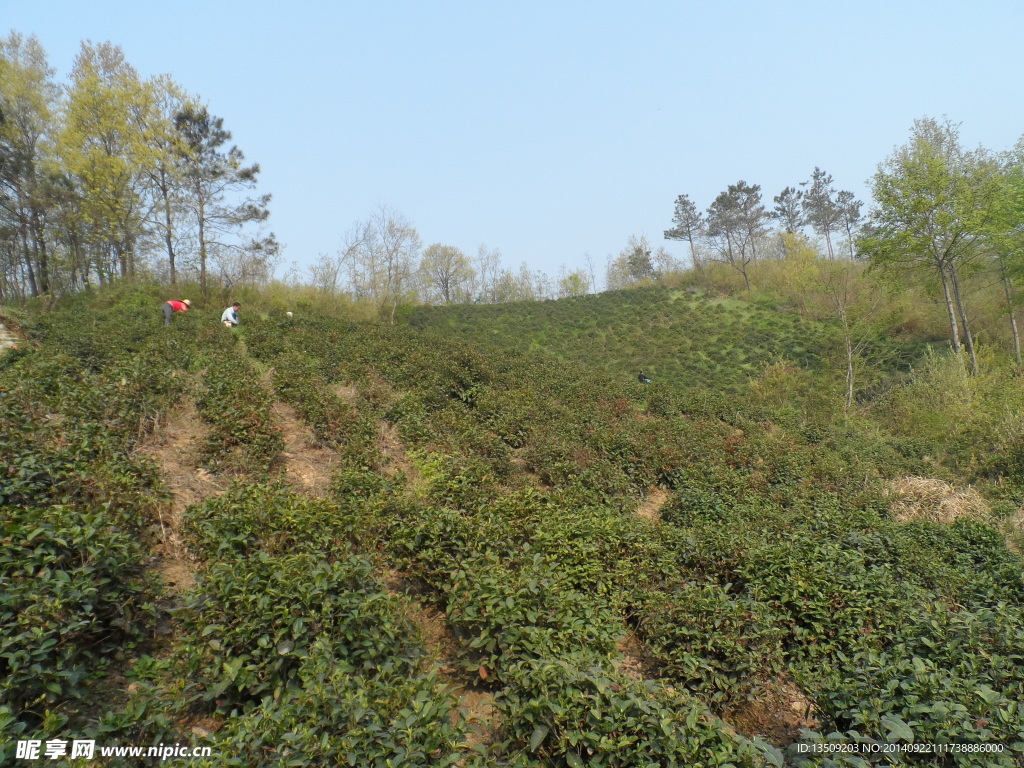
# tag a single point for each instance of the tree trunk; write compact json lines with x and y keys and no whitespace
{"x":962,"y":311}
{"x":954,"y":331}
{"x":1008,"y":291}
{"x":42,"y":257}
{"x":202,"y":257}
{"x":168,"y":226}
{"x":26,"y":255}
{"x":849,"y":369}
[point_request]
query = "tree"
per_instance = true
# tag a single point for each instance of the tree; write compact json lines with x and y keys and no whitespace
{"x":28,"y":100}
{"x":820,"y":208}
{"x":168,"y":179}
{"x":849,"y":218}
{"x":787,"y":210}
{"x":488,"y":268}
{"x":1006,"y":236}
{"x":735,"y":222}
{"x":933,"y":203}
{"x":446,"y":273}
{"x":216,"y":180}
{"x":103,"y":144}
{"x":633,"y":264}
{"x":381,"y":253}
{"x":689,"y":223}
{"x":573,"y":283}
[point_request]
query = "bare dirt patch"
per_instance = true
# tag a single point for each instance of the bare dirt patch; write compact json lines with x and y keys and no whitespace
{"x":777,"y":716}
{"x":306,"y":465}
{"x":650,"y":509}
{"x":478,"y":708}
{"x":174,"y":446}
{"x":392,"y":448}
{"x":637,"y":660}
{"x":347,"y":392}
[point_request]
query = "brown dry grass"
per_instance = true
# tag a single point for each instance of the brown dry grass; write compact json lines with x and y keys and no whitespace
{"x":1013,"y":531}
{"x":390,"y":445}
{"x":476,"y":704}
{"x":925,"y":498}
{"x":637,"y":660}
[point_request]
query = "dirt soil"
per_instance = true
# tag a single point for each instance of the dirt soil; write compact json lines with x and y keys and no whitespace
{"x":306,"y":465}
{"x":392,"y":448}
{"x":638,"y":662}
{"x":476,"y":703}
{"x":175,"y":445}
{"x":650,"y":509}
{"x":777,"y":716}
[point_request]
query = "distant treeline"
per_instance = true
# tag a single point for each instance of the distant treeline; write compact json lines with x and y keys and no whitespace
{"x":112,"y":176}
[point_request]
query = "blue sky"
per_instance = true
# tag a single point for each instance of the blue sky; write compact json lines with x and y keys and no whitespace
{"x":550,"y":130}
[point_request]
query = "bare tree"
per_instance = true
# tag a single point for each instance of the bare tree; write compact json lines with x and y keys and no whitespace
{"x":381,"y":253}
{"x":488,"y":268}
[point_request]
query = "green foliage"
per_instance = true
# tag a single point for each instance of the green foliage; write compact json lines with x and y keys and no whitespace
{"x":337,"y":715}
{"x":567,"y":713}
{"x":271,"y":518}
{"x":682,"y":342}
{"x":508,"y":613}
{"x":724,"y":648}
{"x":253,"y":622}
{"x":243,"y":437}
{"x":503,"y":487}
{"x":74,"y":592}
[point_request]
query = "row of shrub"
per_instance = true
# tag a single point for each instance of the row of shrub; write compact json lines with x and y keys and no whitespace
{"x":777,"y":561}
{"x":77,"y":512}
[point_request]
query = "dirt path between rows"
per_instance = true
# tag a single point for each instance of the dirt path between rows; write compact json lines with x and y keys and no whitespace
{"x":175,"y":446}
{"x":650,"y":509}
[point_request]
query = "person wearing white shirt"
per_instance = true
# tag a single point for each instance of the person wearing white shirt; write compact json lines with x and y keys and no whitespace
{"x":230,"y":316}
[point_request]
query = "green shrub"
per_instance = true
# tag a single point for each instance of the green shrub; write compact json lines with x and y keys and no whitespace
{"x":74,"y":591}
{"x":338,"y":715}
{"x":724,"y":648}
{"x":570,"y":712}
{"x":273,"y":518}
{"x":251,"y":623}
{"x":506,"y":613}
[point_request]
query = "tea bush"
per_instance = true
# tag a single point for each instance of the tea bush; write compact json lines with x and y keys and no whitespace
{"x":571,"y":712}
{"x":252,"y":623}
{"x":508,"y":498}
{"x":272,"y":518}
{"x":507,"y":613}
{"x":725,"y":649}
{"x":74,"y":592}
{"x":337,"y":715}
{"x":334,"y":422}
{"x":243,"y":437}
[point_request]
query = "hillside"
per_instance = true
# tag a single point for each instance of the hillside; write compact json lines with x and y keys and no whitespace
{"x":313,"y":542}
{"x":683,"y":339}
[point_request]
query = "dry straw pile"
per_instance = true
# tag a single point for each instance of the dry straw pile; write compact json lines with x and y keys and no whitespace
{"x":925,"y":498}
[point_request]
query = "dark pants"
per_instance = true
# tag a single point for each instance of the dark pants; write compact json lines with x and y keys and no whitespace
{"x":168,"y":312}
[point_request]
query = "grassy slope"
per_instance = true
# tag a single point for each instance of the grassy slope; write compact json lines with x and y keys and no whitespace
{"x":776,"y":565}
{"x":679,"y":339}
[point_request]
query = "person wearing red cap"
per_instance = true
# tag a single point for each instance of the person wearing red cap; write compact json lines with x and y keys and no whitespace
{"x":170,"y":307}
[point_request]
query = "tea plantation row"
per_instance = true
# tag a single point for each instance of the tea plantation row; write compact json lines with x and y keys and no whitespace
{"x":512,"y":509}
